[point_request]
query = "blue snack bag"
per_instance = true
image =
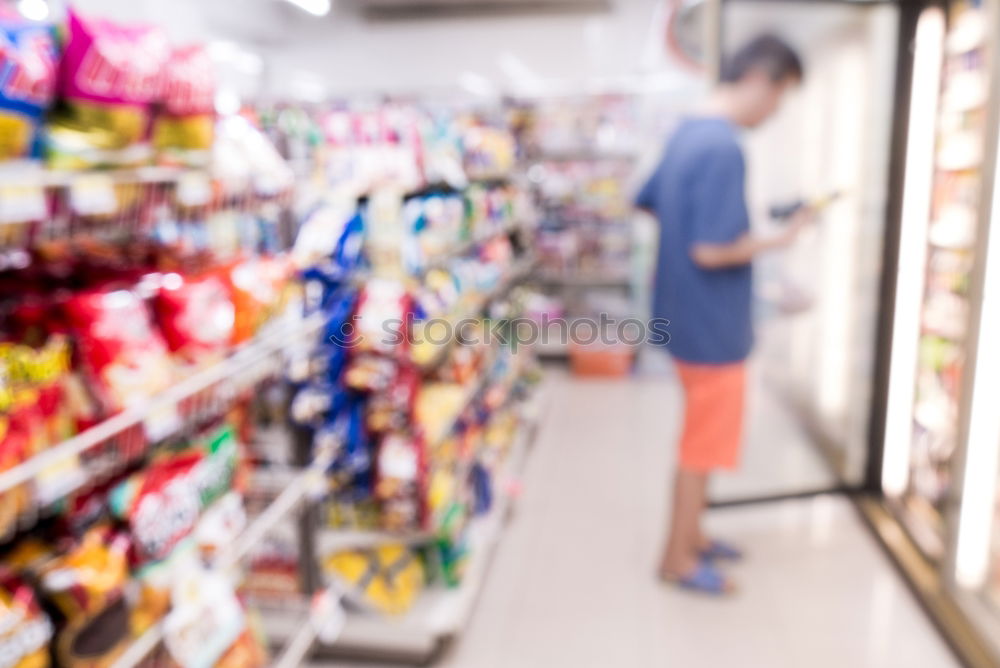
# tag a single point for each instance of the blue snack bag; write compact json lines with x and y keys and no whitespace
{"x":28,"y":66}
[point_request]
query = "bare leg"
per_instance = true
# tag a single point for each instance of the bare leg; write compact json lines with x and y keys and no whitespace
{"x":684,"y":539}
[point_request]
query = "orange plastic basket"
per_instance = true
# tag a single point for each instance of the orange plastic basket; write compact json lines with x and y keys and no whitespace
{"x":601,"y":361}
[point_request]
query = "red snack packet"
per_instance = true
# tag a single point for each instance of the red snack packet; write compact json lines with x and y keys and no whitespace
{"x":119,"y":349}
{"x":13,"y":502}
{"x":161,"y":505}
{"x":196,"y":315}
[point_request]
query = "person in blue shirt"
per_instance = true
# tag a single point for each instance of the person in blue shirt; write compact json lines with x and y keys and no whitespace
{"x":703,"y":286}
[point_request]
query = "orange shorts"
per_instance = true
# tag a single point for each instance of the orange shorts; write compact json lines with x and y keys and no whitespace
{"x":714,"y":396}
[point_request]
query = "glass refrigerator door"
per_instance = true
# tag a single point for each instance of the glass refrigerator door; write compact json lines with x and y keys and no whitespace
{"x":817,"y":301}
{"x":976,"y":560}
{"x":937,"y":266}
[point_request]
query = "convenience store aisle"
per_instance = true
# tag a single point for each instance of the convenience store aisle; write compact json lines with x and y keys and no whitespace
{"x":572,"y":583}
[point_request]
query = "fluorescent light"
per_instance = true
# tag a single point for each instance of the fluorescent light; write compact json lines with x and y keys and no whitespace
{"x":912,"y":257}
{"x":975,"y":516}
{"x":314,"y":7}
{"x":33,"y":10}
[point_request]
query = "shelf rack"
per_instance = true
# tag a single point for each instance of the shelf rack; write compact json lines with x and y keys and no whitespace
{"x":244,"y":368}
{"x":441,"y":612}
{"x":465,"y":247}
{"x":48,"y":178}
{"x":247,"y":365}
{"x":518,"y":273}
{"x":295,"y":493}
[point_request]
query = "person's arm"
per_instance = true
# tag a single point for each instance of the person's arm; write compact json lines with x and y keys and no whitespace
{"x":645,"y":200}
{"x":746,"y":247}
{"x":718,"y":237}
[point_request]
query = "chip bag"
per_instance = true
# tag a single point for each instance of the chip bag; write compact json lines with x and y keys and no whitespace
{"x":86,"y":587}
{"x":257,"y":286}
{"x":196,"y":316}
{"x":183,"y":133}
{"x":110,"y":75}
{"x":125,"y":357}
{"x":28,"y":61}
{"x":162,"y":505}
{"x":163,"y":502}
{"x":25,"y":629}
{"x":13,"y":451}
{"x":207,"y":625}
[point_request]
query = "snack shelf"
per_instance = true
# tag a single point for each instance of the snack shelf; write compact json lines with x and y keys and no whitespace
{"x":472,"y":390}
{"x":299,"y":645}
{"x":294,"y":494}
{"x":443,"y":188}
{"x":465,"y":247}
{"x":520,"y":271}
{"x":441,"y":612}
{"x":335,"y":540}
{"x":46,"y":178}
{"x":301,"y":486}
{"x":158,"y":415}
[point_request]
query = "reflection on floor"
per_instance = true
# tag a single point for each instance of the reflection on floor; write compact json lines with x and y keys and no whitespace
{"x":572,"y":584}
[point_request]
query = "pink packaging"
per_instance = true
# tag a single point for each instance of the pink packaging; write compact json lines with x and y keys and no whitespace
{"x":184,"y":132}
{"x":113,"y":63}
{"x":109,"y":76}
{"x":189,"y":82}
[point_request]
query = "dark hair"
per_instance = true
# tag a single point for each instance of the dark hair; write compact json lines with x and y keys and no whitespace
{"x":767,"y":53}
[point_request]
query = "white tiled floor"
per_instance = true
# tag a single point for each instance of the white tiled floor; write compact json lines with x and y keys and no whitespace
{"x":572,"y":583}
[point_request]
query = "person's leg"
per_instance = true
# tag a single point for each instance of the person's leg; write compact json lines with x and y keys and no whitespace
{"x":684,"y":537}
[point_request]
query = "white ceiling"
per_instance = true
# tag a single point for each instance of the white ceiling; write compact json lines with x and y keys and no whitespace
{"x":350,"y":52}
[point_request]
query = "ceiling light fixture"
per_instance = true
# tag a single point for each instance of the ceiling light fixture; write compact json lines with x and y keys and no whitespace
{"x":33,"y":10}
{"x":314,"y":7}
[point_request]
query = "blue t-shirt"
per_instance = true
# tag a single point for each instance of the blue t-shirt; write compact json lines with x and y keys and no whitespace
{"x":697,"y":194}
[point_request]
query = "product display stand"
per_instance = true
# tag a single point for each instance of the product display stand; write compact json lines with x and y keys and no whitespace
{"x":284,"y":505}
{"x":192,"y":456}
{"x":159,"y":414}
{"x":442,"y":613}
{"x":586,"y":237}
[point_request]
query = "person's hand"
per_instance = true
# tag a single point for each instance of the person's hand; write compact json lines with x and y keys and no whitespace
{"x":801,"y":219}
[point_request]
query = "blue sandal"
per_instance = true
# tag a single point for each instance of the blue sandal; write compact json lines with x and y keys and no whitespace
{"x":706,"y":579}
{"x":718,"y":549}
